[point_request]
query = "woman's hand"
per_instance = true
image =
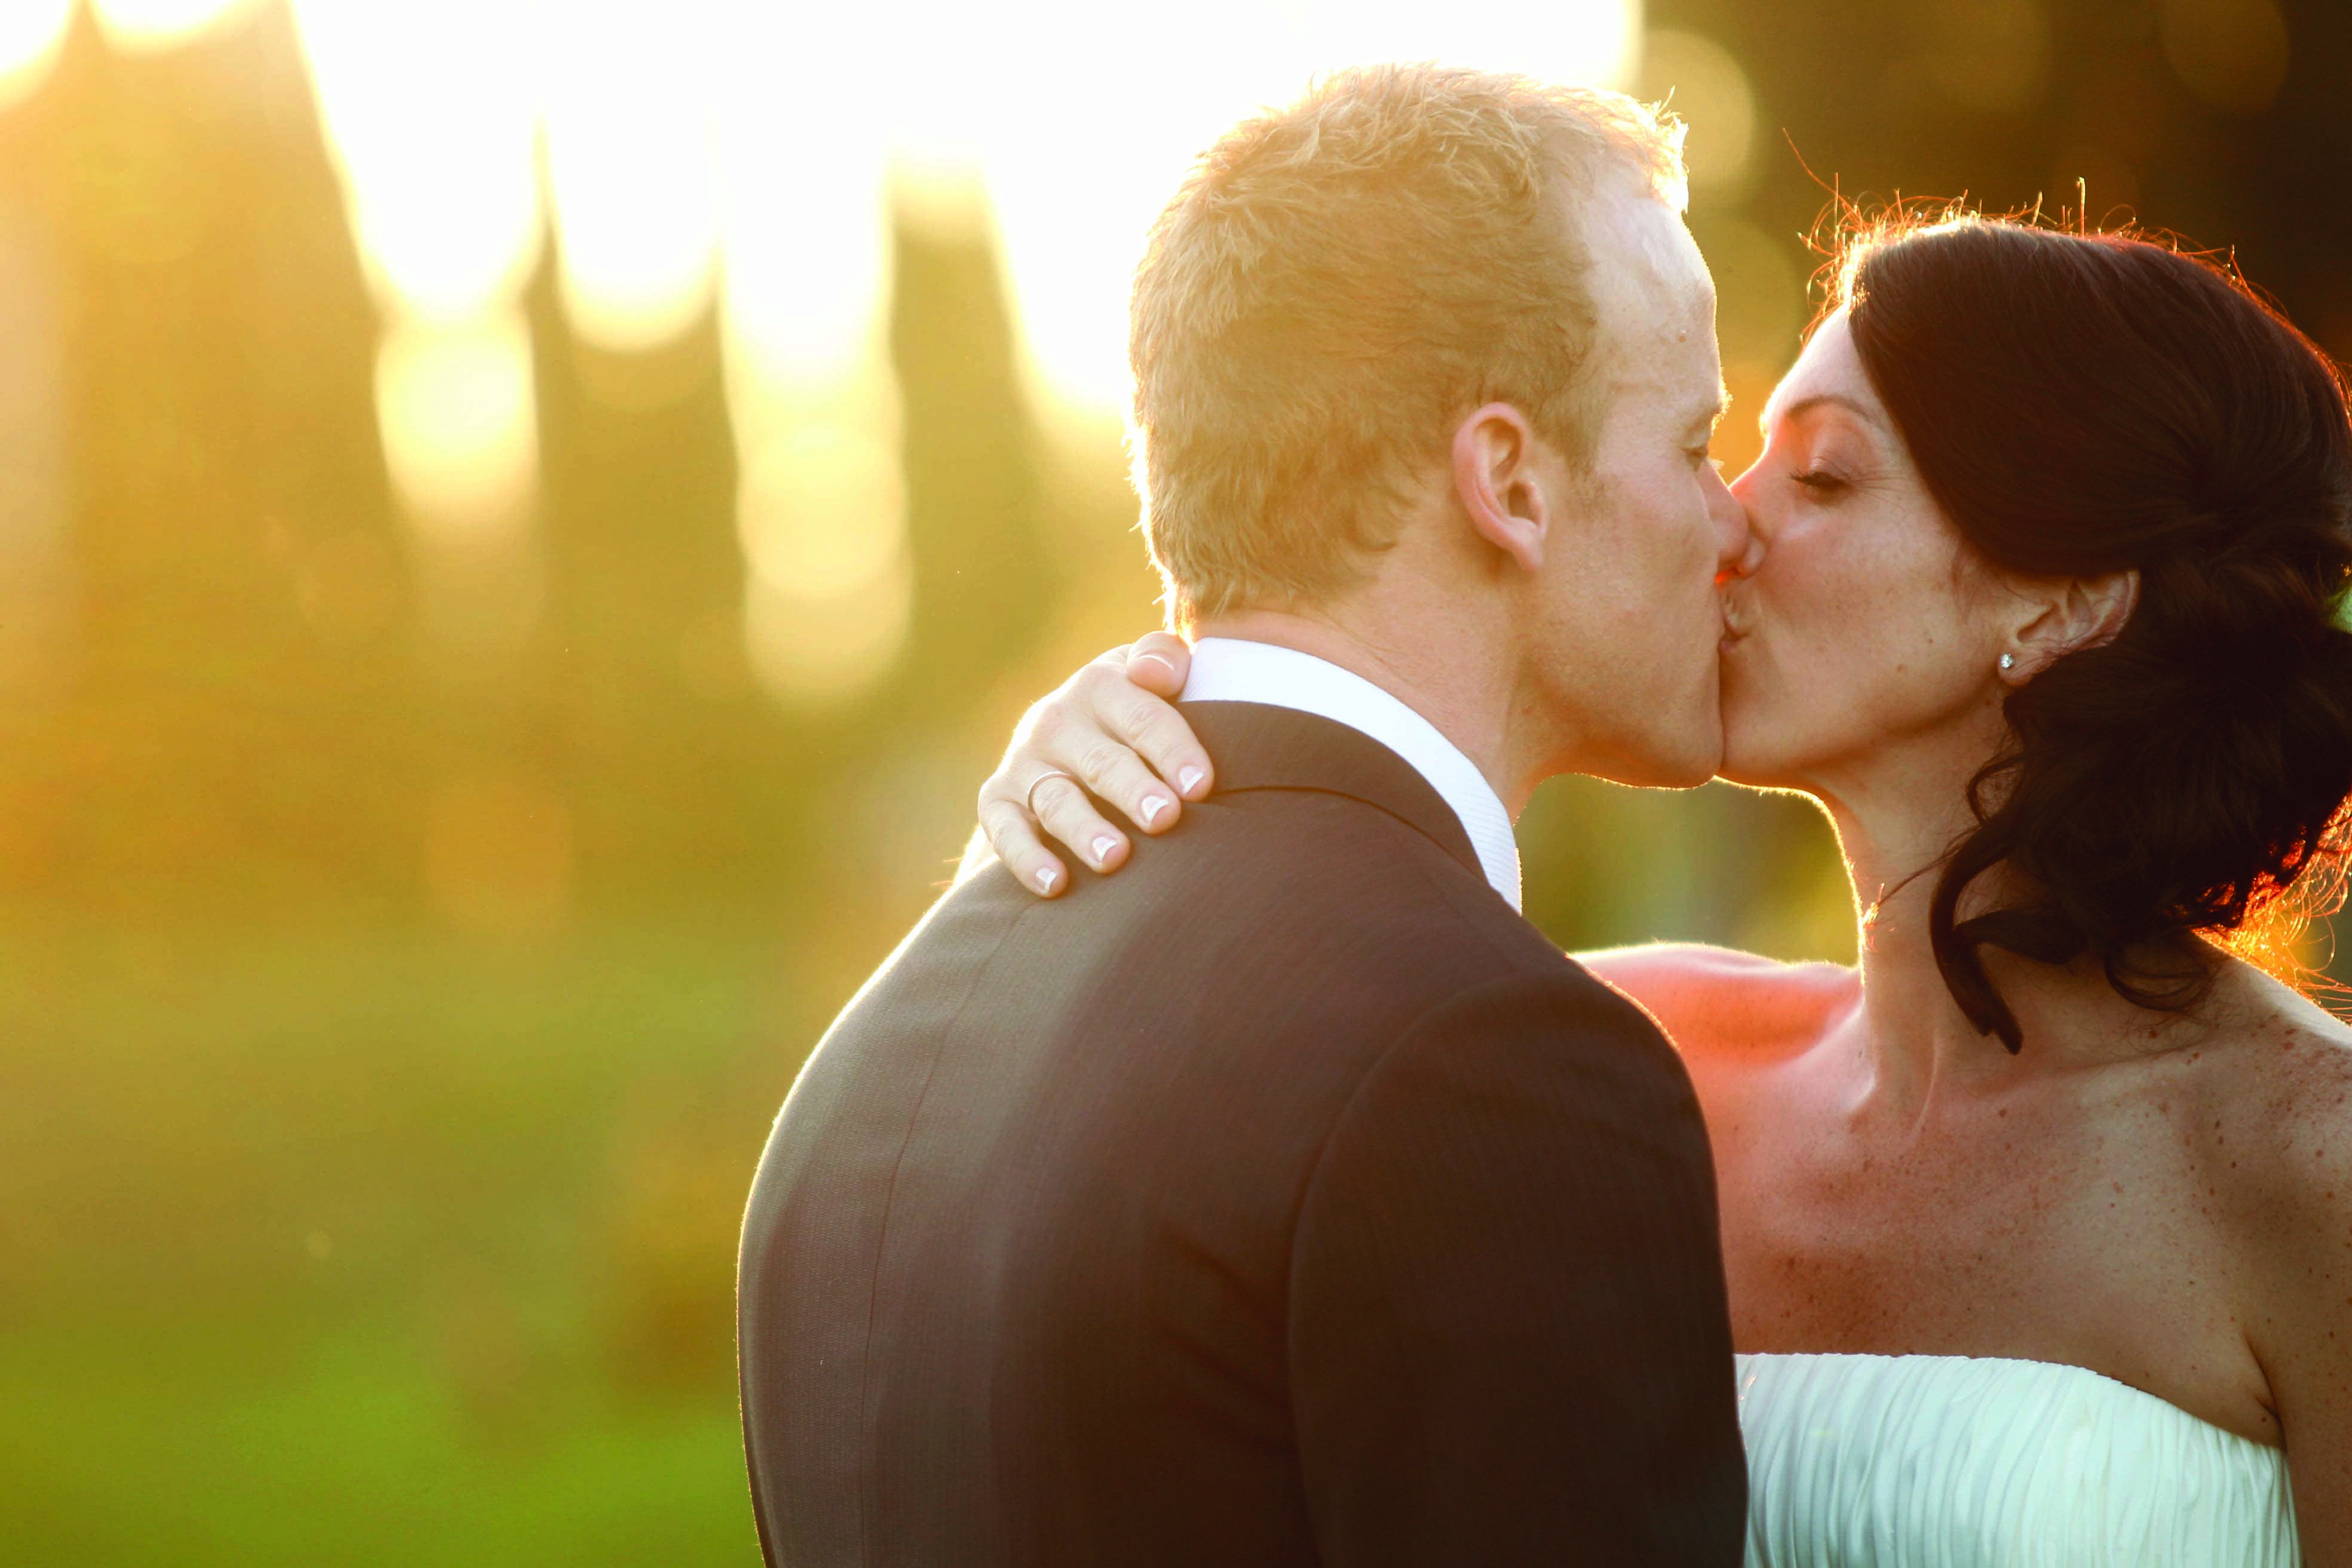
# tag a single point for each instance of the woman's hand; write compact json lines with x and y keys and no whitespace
{"x":1110,"y":729}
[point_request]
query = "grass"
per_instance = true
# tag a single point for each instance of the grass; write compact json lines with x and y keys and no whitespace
{"x":367,"y":1246}
{"x":355,"y":1452}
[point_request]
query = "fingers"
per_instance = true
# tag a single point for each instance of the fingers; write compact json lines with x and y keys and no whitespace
{"x":1160,"y":734}
{"x":1064,"y":812}
{"x":1119,"y":776}
{"x":1016,"y":843}
{"x":1159,"y":661}
{"x":1088,"y":732}
{"x":1130,"y":749}
{"x":1142,"y":751}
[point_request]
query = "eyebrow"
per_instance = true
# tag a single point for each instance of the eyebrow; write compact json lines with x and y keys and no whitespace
{"x":1839,"y":400}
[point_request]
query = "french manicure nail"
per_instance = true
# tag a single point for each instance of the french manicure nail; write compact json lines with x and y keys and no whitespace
{"x":1155,"y":659}
{"x":1046,"y":880}
{"x":1189,"y":779}
{"x":1151,"y":806}
{"x":1104,"y":844}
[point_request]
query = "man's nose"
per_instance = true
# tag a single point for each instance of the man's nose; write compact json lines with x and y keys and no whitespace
{"x":1734,"y":541}
{"x":1752,"y":543}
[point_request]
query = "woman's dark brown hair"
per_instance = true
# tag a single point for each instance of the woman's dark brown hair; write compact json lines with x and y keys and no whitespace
{"x":2086,"y":403}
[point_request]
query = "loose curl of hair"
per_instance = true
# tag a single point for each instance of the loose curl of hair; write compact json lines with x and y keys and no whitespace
{"x":2084,"y":404}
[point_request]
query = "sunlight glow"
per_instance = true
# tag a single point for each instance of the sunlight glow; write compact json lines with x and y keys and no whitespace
{"x":821,"y":513}
{"x":630,"y":151}
{"x":460,"y":423}
{"x":1077,"y":119}
{"x":820,"y":508}
{"x":815,"y":653}
{"x":30,"y":32}
{"x":806,"y":224}
{"x":445,"y":204}
{"x":432,"y":117}
{"x":1115,"y":102}
{"x":823,"y":516}
{"x":696,"y":153}
{"x":144,"y":24}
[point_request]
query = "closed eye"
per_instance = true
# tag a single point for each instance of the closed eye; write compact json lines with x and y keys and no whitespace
{"x":1819,"y":481}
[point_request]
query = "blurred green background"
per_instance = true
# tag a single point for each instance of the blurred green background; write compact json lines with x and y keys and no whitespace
{"x":413,"y":921}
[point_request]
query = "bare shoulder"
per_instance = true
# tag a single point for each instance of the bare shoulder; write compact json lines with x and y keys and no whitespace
{"x":2275,"y":1099}
{"x":1717,"y":1002}
{"x":2272,"y":1142}
{"x":2281,"y":1062}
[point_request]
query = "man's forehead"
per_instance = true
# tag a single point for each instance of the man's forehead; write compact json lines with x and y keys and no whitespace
{"x":1640,"y":238}
{"x":1649,"y":282}
{"x":1666,"y":342}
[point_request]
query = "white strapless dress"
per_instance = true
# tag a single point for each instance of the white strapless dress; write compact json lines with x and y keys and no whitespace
{"x":1944,"y":1461}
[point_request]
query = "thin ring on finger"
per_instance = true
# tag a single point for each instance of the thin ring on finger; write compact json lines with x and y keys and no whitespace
{"x":1029,"y":796}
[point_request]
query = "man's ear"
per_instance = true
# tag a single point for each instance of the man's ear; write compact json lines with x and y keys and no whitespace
{"x":1500,"y":485}
{"x":2069,"y":614}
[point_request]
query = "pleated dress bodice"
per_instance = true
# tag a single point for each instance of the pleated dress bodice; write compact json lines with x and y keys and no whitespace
{"x":1938,"y":1462}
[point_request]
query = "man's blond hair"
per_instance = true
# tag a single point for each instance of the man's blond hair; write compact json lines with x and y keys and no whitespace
{"x":1335,"y":286}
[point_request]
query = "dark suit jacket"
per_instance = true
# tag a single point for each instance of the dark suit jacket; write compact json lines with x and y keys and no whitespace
{"x":1284,"y":1198}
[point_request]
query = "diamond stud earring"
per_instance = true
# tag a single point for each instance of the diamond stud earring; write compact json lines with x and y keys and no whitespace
{"x":2009,"y":660}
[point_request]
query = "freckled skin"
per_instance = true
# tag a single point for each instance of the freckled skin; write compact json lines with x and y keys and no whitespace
{"x":2174,"y":1216}
{"x":2163,"y":1198}
{"x":2070,"y":1214}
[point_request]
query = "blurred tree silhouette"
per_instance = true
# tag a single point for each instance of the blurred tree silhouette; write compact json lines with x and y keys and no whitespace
{"x":973,"y":493}
{"x":638,"y":520}
{"x":234,"y":586}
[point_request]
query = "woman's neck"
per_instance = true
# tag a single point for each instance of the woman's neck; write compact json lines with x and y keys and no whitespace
{"x":1897,"y":820}
{"x":1894,"y":833}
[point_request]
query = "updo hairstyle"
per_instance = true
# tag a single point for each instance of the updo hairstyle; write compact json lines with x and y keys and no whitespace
{"x":2086,"y":403}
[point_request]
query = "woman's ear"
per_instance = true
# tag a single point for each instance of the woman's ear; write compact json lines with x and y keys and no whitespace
{"x":1499,"y":482}
{"x":2068,"y":615}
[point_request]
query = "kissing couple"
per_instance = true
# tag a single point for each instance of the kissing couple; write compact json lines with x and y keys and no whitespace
{"x":1266,"y":1190}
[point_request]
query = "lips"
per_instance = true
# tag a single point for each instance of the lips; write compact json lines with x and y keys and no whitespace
{"x":1736,"y":623}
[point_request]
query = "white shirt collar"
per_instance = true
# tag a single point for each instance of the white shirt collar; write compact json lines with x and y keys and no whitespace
{"x":1228,"y":669}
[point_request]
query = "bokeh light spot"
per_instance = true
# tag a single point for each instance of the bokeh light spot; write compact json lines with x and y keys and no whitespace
{"x":30,"y":32}
{"x":822,"y":512}
{"x":829,"y":598}
{"x":459,"y":419}
{"x":1701,"y":81}
{"x":140,"y":24}
{"x":810,"y":651}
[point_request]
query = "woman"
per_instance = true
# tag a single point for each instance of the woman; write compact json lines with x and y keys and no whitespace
{"x":2038,"y":1222}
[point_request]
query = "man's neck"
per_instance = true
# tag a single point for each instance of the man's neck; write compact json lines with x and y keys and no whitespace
{"x":1461,"y":688}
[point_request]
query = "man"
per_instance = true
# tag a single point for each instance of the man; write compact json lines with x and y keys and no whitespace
{"x":1287,"y":1198}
